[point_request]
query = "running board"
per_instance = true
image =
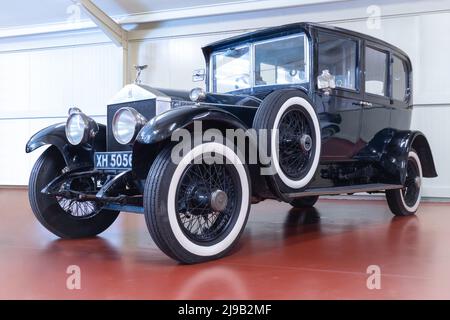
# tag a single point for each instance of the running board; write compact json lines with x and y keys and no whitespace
{"x":343,"y":190}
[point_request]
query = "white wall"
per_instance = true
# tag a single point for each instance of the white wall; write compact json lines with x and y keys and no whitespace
{"x":421,"y":28}
{"x":172,"y":50}
{"x":38,"y":86}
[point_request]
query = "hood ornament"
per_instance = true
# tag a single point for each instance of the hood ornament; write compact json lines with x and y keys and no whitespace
{"x":138,"y":72}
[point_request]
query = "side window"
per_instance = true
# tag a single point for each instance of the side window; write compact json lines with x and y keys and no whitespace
{"x":376,"y":71}
{"x":399,"y":79}
{"x":338,"y":55}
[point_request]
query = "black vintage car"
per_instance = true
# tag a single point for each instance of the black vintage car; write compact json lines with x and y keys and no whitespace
{"x":325,"y":110}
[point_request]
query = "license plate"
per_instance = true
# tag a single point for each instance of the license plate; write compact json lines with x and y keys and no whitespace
{"x":113,"y":160}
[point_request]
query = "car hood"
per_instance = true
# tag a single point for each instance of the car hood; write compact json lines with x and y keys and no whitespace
{"x":214,"y":98}
{"x":140,"y":92}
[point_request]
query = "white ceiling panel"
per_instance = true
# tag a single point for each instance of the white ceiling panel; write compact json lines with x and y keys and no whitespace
{"x":23,"y":13}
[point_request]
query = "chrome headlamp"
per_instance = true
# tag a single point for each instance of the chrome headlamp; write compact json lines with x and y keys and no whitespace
{"x":126,"y":124}
{"x":79,"y":127}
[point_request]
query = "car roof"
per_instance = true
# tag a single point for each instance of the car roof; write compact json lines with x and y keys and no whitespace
{"x":267,"y":33}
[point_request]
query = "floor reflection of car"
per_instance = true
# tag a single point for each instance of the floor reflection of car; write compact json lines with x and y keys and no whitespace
{"x":332,"y":106}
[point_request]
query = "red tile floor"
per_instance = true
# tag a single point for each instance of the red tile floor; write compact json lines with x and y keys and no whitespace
{"x":320,"y":253}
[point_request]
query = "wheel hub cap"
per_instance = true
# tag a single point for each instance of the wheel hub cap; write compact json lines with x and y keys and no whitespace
{"x":219,"y":200}
{"x":306,"y":142}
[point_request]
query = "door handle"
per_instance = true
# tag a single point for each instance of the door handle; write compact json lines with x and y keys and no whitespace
{"x":363,"y":104}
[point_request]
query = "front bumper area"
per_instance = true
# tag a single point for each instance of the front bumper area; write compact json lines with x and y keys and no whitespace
{"x":113,"y":191}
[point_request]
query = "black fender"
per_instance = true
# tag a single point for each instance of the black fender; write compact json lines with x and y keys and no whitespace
{"x":157,"y":132}
{"x":395,"y":155}
{"x":76,"y":157}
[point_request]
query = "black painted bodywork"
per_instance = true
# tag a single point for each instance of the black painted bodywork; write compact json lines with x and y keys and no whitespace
{"x":360,"y":145}
{"x":76,"y":157}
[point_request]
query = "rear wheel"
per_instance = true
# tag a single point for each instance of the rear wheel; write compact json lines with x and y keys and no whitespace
{"x":304,"y":202}
{"x":197,"y":209}
{"x":404,"y":202}
{"x":66,"y":218}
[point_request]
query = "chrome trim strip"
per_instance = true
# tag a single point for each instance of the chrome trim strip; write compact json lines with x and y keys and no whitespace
{"x":252,"y":65}
{"x":180,"y":103}
{"x":225,"y":105}
{"x":137,"y":92}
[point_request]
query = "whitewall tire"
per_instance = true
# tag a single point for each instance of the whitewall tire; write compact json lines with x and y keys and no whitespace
{"x":294,"y":127}
{"x":196,"y":211}
{"x":406,"y":201}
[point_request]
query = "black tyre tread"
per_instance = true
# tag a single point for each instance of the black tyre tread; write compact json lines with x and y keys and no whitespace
{"x":32,"y":195}
{"x":304,"y":202}
{"x":262,"y":115}
{"x":88,"y":227}
{"x":261,"y":120}
{"x":395,"y":203}
{"x":162,"y":237}
{"x":152,"y":190}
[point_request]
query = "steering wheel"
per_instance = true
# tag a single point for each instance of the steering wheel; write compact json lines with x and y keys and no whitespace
{"x":293,"y":72}
{"x":244,"y":79}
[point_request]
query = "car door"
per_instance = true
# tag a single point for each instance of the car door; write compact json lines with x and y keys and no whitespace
{"x":376,"y":108}
{"x":340,"y":113}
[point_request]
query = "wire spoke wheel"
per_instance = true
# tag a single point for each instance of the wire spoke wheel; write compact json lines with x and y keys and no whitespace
{"x":78,"y":209}
{"x":196,"y":209}
{"x":411,"y":189}
{"x":296,"y":145}
{"x":207,"y":201}
{"x":59,"y":212}
{"x":405,"y":201}
{"x":294,"y":141}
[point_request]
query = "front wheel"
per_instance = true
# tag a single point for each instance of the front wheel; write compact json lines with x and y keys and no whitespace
{"x":66,"y":218}
{"x":197,"y":208}
{"x":404,"y":202}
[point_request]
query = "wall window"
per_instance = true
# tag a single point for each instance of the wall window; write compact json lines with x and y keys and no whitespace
{"x":281,"y":61}
{"x":376,"y":71}
{"x":339,"y":56}
{"x":399,"y":79}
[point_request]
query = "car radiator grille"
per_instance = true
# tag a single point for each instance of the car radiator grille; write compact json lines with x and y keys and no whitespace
{"x":144,"y":107}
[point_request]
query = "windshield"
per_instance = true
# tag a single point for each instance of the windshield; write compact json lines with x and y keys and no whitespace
{"x":231,"y":70}
{"x":281,"y":60}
